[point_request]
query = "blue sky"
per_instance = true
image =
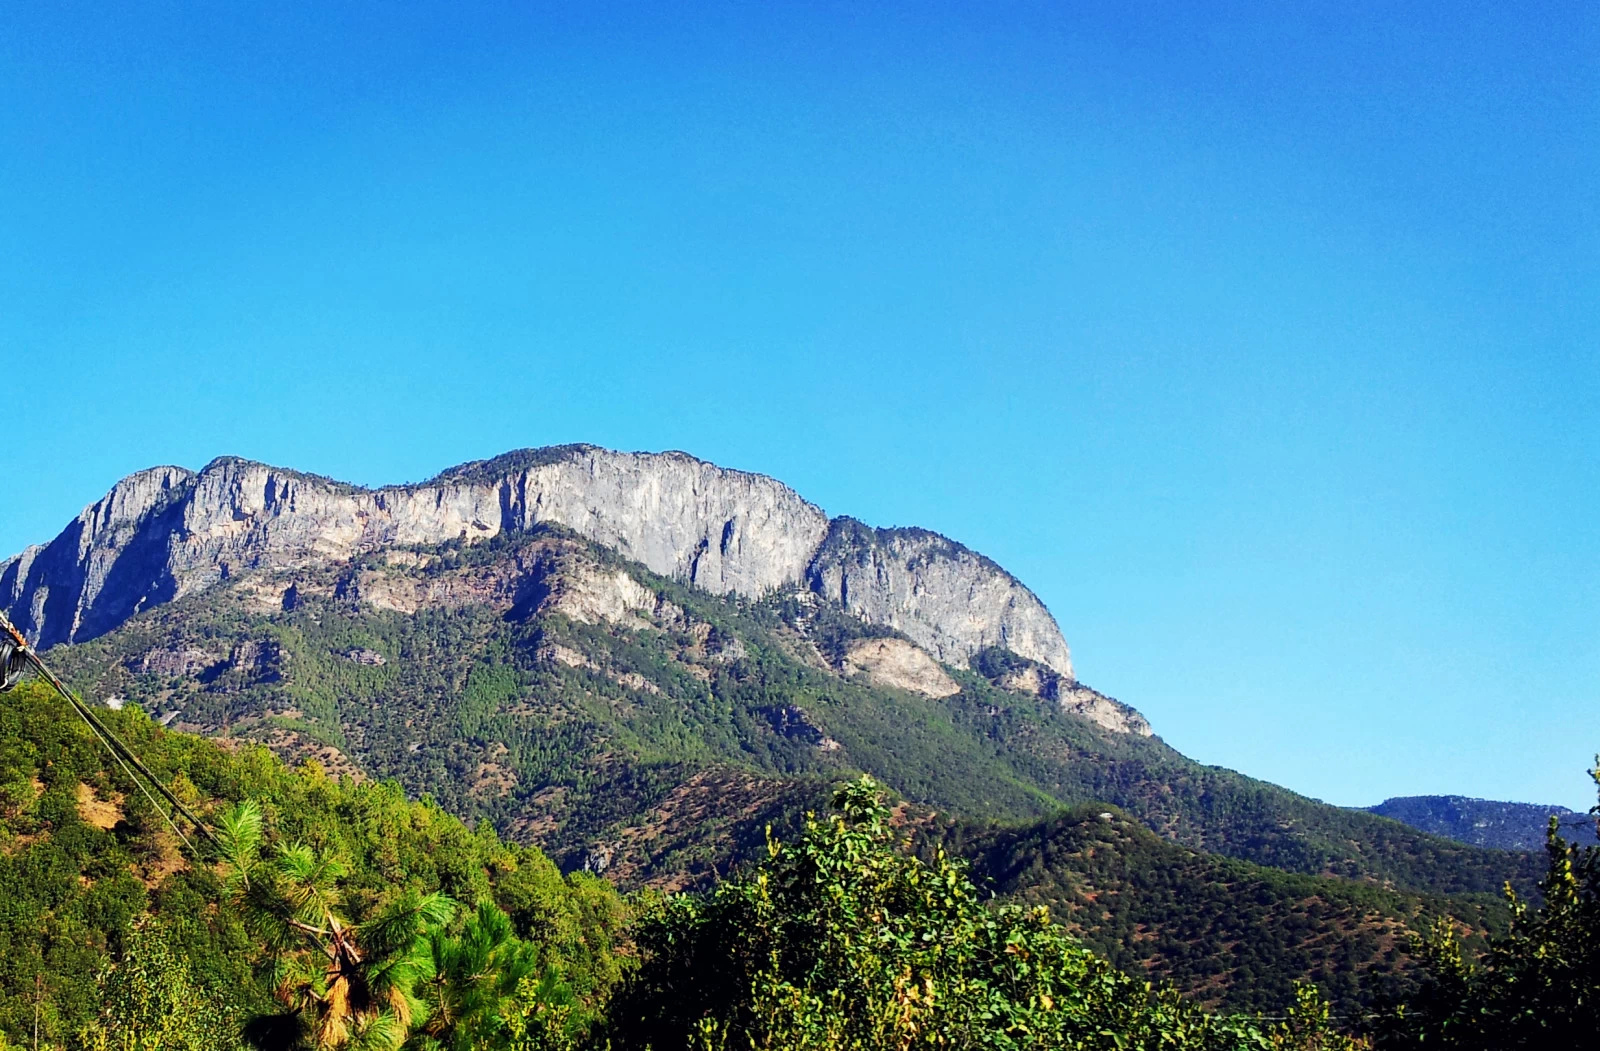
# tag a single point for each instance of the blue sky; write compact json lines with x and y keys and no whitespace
{"x":1259,"y":339}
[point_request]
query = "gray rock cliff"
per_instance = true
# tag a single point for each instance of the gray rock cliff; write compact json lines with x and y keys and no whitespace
{"x":166,"y":532}
{"x":951,"y":601}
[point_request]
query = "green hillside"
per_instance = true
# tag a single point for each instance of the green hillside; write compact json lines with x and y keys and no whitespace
{"x":88,"y":866}
{"x":107,"y":923}
{"x":1224,"y":931}
{"x":341,"y":915}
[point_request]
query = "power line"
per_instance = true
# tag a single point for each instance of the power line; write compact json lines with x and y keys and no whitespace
{"x":16,"y":656}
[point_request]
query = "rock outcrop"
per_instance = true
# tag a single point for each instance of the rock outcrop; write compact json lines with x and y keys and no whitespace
{"x":1107,"y":712}
{"x":167,"y":532}
{"x":1009,"y":672}
{"x":897,"y":663}
{"x":111,"y":562}
{"x":949,"y":600}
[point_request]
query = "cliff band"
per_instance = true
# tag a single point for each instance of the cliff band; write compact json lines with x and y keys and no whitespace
{"x":166,"y":532}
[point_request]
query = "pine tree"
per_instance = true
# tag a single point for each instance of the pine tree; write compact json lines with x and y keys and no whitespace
{"x":350,"y":985}
{"x":473,"y":983}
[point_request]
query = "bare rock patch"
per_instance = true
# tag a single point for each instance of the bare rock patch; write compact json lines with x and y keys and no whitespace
{"x":900,"y":664}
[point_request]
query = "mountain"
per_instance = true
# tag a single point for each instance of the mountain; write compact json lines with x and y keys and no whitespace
{"x":165,"y":533}
{"x":1486,"y":822}
{"x":639,"y":662}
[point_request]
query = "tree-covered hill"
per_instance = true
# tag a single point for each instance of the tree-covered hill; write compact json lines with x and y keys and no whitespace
{"x":87,"y":865}
{"x":1224,"y":931}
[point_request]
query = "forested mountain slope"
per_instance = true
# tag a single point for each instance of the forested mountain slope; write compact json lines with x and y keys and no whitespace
{"x":1487,"y":822}
{"x":581,"y":702}
{"x":1225,"y":931}
{"x":85,"y":859}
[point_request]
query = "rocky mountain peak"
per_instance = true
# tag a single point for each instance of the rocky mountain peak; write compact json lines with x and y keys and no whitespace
{"x":166,"y":532}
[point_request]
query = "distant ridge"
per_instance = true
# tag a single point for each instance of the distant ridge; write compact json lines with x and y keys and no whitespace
{"x":1486,"y":822}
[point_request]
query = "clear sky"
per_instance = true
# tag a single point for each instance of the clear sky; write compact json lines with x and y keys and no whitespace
{"x":1262,"y":340}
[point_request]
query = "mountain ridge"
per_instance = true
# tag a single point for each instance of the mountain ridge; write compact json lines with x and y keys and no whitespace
{"x":1487,"y":822}
{"x":628,"y":722}
{"x":167,"y":531}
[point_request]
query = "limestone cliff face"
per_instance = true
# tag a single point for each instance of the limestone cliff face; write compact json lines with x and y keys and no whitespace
{"x":166,"y":532}
{"x":108,"y":564}
{"x":950,"y":601}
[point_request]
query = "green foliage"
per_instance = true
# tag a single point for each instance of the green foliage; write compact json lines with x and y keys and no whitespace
{"x":472,"y":981}
{"x":842,"y":938}
{"x":150,"y":1002}
{"x":406,"y":976}
{"x":545,"y":1016}
{"x":76,"y":892}
{"x":349,"y":984}
{"x":73,"y":889}
{"x":1309,"y":1025}
{"x":1537,"y":987}
{"x":845,"y":941}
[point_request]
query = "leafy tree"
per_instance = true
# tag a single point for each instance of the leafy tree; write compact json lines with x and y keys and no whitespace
{"x":847,"y":942}
{"x":546,"y":1016}
{"x":575,"y":920}
{"x":1308,"y":1025}
{"x":151,"y":1003}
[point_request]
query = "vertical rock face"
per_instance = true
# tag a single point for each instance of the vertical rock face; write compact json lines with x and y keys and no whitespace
{"x":167,"y":532}
{"x":951,"y":601}
{"x":108,"y":564}
{"x":724,"y":531}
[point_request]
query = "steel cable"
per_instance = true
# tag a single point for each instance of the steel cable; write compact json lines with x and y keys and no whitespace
{"x":16,"y":655}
